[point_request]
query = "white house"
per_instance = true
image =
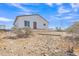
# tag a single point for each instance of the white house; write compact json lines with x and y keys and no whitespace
{"x":33,"y":21}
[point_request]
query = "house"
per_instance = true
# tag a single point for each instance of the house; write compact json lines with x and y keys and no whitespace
{"x":34,"y":21}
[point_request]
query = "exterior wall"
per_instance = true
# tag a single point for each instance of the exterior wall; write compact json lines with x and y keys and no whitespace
{"x":40,"y":22}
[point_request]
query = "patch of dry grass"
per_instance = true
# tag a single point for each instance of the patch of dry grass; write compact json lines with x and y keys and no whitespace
{"x":22,"y":42}
{"x":2,"y":44}
{"x":35,"y":45}
{"x":22,"y":33}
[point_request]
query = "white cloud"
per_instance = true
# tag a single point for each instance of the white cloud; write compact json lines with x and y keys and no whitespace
{"x":24,"y":13}
{"x":5,"y":19}
{"x":49,"y":4}
{"x":68,"y":17}
{"x":75,"y":6}
{"x":63,"y":10}
{"x":54,"y":17}
{"x":74,"y":20}
{"x":18,"y":5}
{"x":60,"y":18}
{"x":23,"y":9}
{"x":59,"y":4}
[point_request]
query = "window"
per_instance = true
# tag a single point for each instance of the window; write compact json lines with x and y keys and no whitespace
{"x":27,"y":23}
{"x":44,"y":24}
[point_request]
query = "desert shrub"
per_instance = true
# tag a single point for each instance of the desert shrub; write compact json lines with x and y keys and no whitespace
{"x":70,"y":52}
{"x":2,"y":31}
{"x":13,"y":28}
{"x":22,"y":33}
{"x":74,"y":28}
{"x":27,"y":31}
{"x":10,"y":37}
{"x":19,"y":33}
{"x":69,"y":38}
{"x":59,"y":29}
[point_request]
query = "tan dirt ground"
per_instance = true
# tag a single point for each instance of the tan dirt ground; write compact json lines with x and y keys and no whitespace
{"x":41,"y":43}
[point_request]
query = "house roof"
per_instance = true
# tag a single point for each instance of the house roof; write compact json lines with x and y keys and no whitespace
{"x":30,"y":15}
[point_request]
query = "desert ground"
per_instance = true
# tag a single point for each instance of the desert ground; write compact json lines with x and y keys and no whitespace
{"x":39,"y":43}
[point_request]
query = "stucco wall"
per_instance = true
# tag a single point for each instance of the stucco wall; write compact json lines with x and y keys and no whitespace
{"x":40,"y":21}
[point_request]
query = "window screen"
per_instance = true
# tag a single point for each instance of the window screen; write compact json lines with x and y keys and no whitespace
{"x":27,"y":23}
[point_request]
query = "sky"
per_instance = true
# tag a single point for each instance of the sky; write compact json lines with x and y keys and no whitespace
{"x":57,"y":14}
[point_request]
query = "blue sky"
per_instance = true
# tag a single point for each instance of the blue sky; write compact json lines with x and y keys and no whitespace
{"x":57,"y":14}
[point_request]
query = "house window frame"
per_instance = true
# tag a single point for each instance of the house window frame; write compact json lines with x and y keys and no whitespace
{"x":44,"y":24}
{"x":27,"y":23}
